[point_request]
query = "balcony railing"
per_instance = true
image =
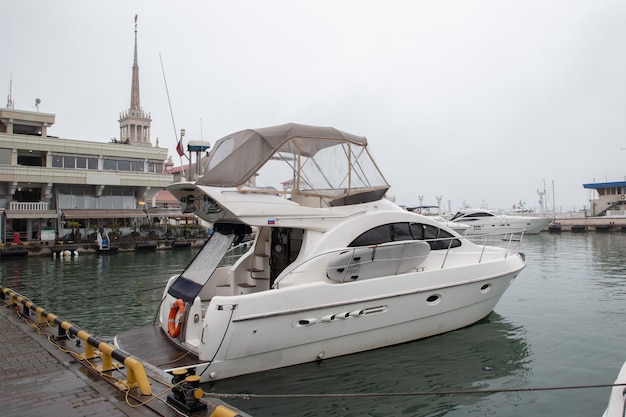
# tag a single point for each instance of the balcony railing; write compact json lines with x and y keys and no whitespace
{"x":28,"y":205}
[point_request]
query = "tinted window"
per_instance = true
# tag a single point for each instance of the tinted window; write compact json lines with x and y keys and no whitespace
{"x":155,"y":167}
{"x":123,"y":165}
{"x":375,"y":236}
{"x":437,"y":238}
{"x":57,"y":161}
{"x":448,"y":237}
{"x":430,"y":232}
{"x":417,"y":231}
{"x":401,"y":231}
{"x":110,"y":165}
{"x":440,"y":238}
{"x":69,"y":162}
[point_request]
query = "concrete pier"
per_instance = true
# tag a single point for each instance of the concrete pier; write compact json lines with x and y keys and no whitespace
{"x":52,"y":248}
{"x":587,"y":224}
{"x":41,"y":378}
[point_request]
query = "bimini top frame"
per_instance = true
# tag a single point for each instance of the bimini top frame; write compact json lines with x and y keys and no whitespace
{"x":297,"y":160}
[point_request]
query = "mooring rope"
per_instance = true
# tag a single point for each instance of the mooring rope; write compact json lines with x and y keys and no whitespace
{"x":408,"y":394}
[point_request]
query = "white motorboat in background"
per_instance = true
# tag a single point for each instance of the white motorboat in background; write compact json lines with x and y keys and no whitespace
{"x":334,"y":268}
{"x":483,"y":221}
{"x":433,"y":213}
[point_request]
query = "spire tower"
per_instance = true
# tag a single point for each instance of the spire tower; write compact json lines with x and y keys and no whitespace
{"x":134,"y":89}
{"x":134,"y":122}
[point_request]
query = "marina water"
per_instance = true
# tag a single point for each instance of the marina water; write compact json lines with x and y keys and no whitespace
{"x":560,"y":324}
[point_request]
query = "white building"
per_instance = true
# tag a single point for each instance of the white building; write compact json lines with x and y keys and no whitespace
{"x":46,"y":181}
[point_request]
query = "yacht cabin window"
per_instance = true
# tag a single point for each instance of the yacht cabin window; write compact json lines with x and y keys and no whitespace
{"x":393,"y":232}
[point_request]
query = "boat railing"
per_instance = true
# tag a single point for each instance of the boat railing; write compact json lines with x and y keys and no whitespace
{"x":510,"y":241}
{"x":363,"y":262}
{"x":496,"y":238}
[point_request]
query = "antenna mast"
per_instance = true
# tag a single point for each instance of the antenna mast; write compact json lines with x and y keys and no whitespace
{"x":182,"y":131}
{"x":10,"y":103}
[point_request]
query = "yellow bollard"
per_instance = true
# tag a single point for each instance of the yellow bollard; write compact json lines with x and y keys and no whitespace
{"x":42,"y":318}
{"x":137,"y":376}
{"x":221,"y":411}
{"x":90,"y":352}
{"x":107,"y":358}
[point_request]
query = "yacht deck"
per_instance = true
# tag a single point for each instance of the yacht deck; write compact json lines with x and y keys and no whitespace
{"x":151,"y":345}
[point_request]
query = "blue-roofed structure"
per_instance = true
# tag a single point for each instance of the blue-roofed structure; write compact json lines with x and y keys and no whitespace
{"x":611,"y":198}
{"x":598,"y":185}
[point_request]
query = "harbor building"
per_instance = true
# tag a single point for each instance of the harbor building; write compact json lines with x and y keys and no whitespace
{"x":46,"y":181}
{"x":610,"y":201}
{"x":48,"y":184}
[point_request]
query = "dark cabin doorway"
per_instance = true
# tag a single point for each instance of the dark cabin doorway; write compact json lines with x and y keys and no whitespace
{"x":286,"y":244}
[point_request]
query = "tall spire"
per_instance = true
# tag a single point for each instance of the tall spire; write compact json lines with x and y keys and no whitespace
{"x":134,"y":122}
{"x":134,"y":91}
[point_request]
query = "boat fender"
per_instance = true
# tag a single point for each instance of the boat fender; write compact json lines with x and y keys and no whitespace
{"x":175,"y":318}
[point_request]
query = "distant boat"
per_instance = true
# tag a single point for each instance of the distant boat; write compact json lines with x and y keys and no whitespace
{"x":483,"y":221}
{"x":433,"y":213}
{"x":334,"y":268}
{"x":104,"y":243}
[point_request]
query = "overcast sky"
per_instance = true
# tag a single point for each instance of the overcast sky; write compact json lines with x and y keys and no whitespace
{"x":481,"y":102}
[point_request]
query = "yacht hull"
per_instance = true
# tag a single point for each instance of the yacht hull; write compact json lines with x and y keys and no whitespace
{"x":244,"y":334}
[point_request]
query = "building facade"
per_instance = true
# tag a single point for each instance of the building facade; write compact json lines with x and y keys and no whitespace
{"x":45,"y":182}
{"x":49,"y":185}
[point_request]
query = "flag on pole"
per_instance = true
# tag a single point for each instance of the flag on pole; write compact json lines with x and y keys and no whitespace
{"x":179,"y":147}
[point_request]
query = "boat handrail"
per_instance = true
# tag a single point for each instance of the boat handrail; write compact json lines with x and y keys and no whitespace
{"x":350,"y":251}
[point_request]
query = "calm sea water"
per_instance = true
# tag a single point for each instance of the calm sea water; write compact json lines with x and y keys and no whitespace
{"x":561,"y":323}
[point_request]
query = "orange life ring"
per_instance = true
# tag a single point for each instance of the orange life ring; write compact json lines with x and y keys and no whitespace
{"x":173,"y":325}
{"x":622,"y":197}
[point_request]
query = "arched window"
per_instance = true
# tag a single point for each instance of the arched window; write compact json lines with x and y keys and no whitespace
{"x":393,"y":232}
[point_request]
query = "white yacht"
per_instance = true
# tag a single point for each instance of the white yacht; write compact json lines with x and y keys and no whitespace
{"x":433,"y":213}
{"x":487,"y":222}
{"x":334,"y":267}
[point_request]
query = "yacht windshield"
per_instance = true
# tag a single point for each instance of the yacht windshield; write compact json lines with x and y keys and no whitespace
{"x":337,"y":169}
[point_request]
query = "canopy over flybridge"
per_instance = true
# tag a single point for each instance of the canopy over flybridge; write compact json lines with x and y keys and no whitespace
{"x":297,"y":161}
